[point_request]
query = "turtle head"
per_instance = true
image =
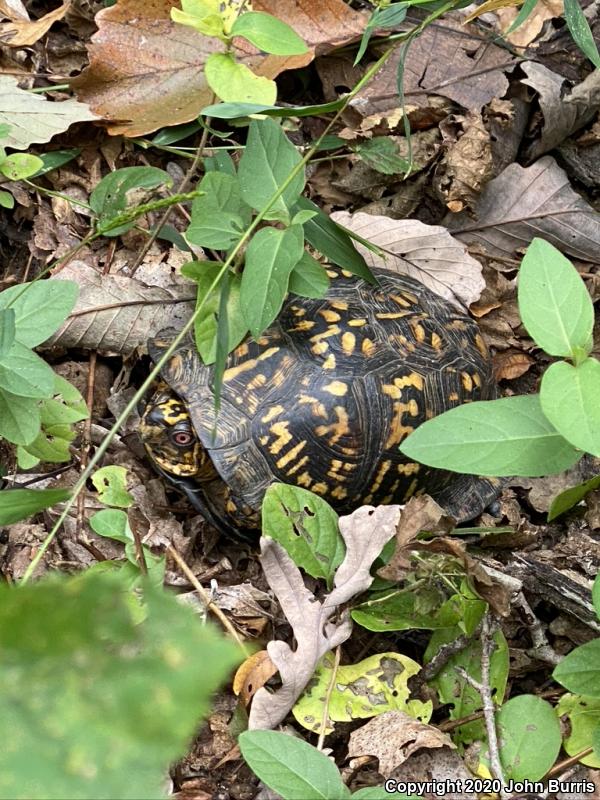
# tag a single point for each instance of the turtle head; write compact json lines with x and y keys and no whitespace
{"x":169,"y":436}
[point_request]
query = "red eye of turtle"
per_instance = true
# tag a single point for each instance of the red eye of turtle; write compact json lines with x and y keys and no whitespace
{"x":182,"y":438}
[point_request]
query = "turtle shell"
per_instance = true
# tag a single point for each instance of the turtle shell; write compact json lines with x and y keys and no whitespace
{"x":326,"y":395}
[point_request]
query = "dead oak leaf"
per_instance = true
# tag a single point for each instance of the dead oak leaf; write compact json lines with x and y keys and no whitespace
{"x":147,"y":72}
{"x":22,"y":33}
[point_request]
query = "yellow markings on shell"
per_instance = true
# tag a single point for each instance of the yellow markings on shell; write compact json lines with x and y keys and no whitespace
{"x":241,"y":350}
{"x":319,"y":348}
{"x":320,"y":488}
{"x":329,"y":316}
{"x":346,"y":273}
{"x":298,"y":311}
{"x":412,"y":489}
{"x":317,"y":408}
{"x":481,"y":345}
{"x":333,"y":330}
{"x":341,"y":305}
{"x":394,"y":390}
{"x":257,"y":381}
{"x":233,"y":372}
{"x":263,"y":440}
{"x":282,"y":437}
{"x":357,"y":323}
{"x":304,"y":479}
{"x":477,"y":379}
{"x":436,"y":341}
{"x":418,"y":330}
{"x":457,"y":325}
{"x":368,"y":347}
{"x":262,"y":341}
{"x":303,"y":325}
{"x":390,"y":315}
{"x":381,"y":473}
{"x":410,"y":468}
{"x":273,"y":412}
{"x":466,"y":381}
{"x":338,"y":428}
{"x":329,"y":362}
{"x":453,"y":397}
{"x":173,"y":412}
{"x":398,"y":429}
{"x":337,"y":388}
{"x":332,"y":273}
{"x":402,"y":301}
{"x":290,"y":455}
{"x":339,"y":493}
{"x":348,"y":343}
{"x":298,"y":465}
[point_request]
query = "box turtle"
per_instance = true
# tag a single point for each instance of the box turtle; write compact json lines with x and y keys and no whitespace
{"x":322,"y":400}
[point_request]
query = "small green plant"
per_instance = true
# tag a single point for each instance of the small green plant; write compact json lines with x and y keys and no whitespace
{"x":537,"y":434}
{"x":15,"y":167}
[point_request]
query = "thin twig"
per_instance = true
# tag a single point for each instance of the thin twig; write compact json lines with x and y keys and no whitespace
{"x":541,"y":649}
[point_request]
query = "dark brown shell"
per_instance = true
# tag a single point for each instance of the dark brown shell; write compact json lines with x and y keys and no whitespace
{"x":324,"y":398}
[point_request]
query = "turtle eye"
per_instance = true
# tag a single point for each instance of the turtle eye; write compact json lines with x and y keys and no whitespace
{"x":182,"y":438}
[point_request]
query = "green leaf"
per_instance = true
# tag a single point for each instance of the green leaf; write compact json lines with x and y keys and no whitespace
{"x":105,"y":701}
{"x":18,"y":504}
{"x":596,"y":595}
{"x":381,"y":153}
{"x":203,"y":15}
{"x":387,"y":17}
{"x":205,"y":327}
{"x":17,"y":166}
{"x":270,"y":258}
{"x":554,"y":304}
{"x":266,"y":164}
{"x":569,"y":397}
{"x":234,"y":82}
{"x":379,"y":793}
{"x":40,"y":308}
{"x":176,"y":133}
{"x":306,"y":526}
{"x":401,"y":611}
{"x":218,"y":216}
{"x":6,"y":199}
{"x":530,"y":737}
{"x":24,"y":373}
{"x":510,"y":436}
{"x":571,"y":497}
{"x":237,"y":110}
{"x":525,"y":10}
{"x":7,"y":330}
{"x":19,"y":418}
{"x":333,"y":241}
{"x":371,"y":687}
{"x":268,"y":34}
{"x":291,"y":767}
{"x":120,"y":190}
{"x":582,"y":717}
{"x":55,"y":159}
{"x":111,"y":484}
{"x":112,"y":523}
{"x":579,"y":671}
{"x":309,"y":278}
{"x":581,"y":32}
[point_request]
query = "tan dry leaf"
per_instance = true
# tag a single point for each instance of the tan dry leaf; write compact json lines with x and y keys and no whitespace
{"x":252,"y":674}
{"x":164,"y":83}
{"x":394,"y":736}
{"x":14,"y":10}
{"x":425,"y":252}
{"x":511,"y":364}
{"x":528,"y":31}
{"x":365,"y":532}
{"x":115,"y":314}
{"x":524,"y":202}
{"x":22,"y":33}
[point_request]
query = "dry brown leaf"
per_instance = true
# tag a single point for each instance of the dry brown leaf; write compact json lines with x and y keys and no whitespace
{"x":425,"y":252}
{"x":565,"y":111}
{"x":252,"y":674}
{"x":115,"y":314}
{"x":13,"y":10}
{"x":511,"y":364}
{"x":365,"y":532}
{"x":21,"y":33}
{"x":394,"y":736}
{"x":528,"y":31}
{"x":164,"y":84}
{"x":524,"y":202}
{"x":448,"y":59}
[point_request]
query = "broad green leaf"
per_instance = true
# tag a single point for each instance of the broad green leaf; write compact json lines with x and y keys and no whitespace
{"x":218,"y":216}
{"x":271,"y":256}
{"x":40,"y":308}
{"x":596,"y":595}
{"x":237,"y":110}
{"x":19,"y":418}
{"x":554,"y":304}
{"x":306,"y":526}
{"x":581,"y":32}
{"x":381,"y":153}
{"x":401,"y":611}
{"x":583,"y":717}
{"x":268,"y":34}
{"x":220,"y":161}
{"x":333,"y":241}
{"x":579,"y":671}
{"x":291,"y":767}
{"x":119,"y":190}
{"x":24,"y":373}
{"x":105,"y":693}
{"x":205,"y":328}
{"x":510,"y":436}
{"x":18,"y":504}
{"x":234,"y":82}
{"x":112,"y":523}
{"x":111,"y":484}
{"x":360,"y":691}
{"x":58,"y":414}
{"x":267,"y":162}
{"x":570,"y":400}
{"x":7,"y":330}
{"x":209,"y":25}
{"x":387,"y":17}
{"x":175,"y":134}
{"x":571,"y":497}
{"x":6,"y":200}
{"x":17,"y":166}
{"x":300,"y":217}
{"x":309,"y":278}
{"x":55,"y":159}
{"x":530,"y":737}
